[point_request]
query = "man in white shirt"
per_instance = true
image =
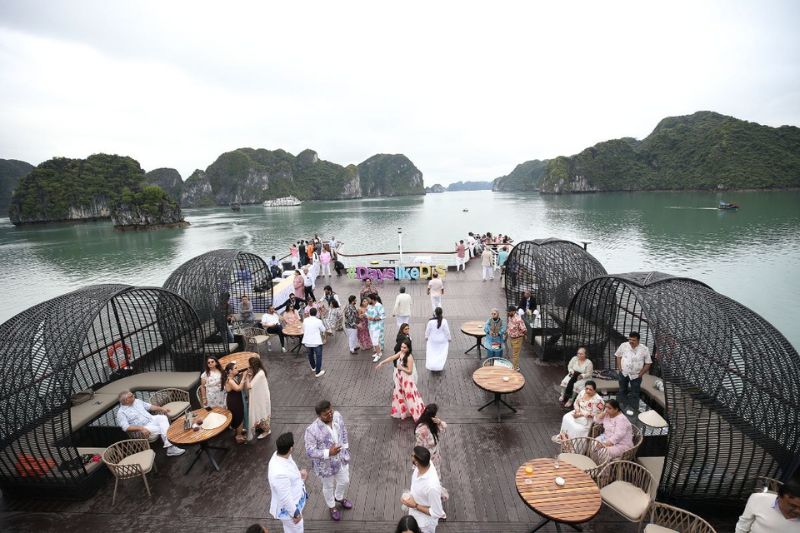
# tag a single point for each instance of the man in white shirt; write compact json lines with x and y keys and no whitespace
{"x":766,"y":513}
{"x":135,"y":415}
{"x":308,"y":282}
{"x":272,"y":323}
{"x":328,"y":447}
{"x":313,"y":330}
{"x":402,"y":307}
{"x":471,"y":244}
{"x":633,"y":361}
{"x":487,"y":258}
{"x":286,"y":483}
{"x":425,"y":501}
{"x":436,"y":290}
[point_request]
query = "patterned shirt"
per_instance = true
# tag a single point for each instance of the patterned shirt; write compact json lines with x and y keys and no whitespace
{"x":516,"y":327}
{"x":633,"y":360}
{"x":350,"y":317}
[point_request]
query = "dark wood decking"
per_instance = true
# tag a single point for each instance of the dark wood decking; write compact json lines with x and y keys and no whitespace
{"x":480,"y":456}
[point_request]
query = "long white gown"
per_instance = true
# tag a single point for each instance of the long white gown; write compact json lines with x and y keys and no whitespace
{"x":437,"y":345}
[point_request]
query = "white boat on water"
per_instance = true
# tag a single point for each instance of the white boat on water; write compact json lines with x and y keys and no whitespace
{"x":285,"y":201}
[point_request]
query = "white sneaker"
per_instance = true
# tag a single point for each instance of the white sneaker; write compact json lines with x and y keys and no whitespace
{"x":629,"y":412}
{"x":283,"y":349}
{"x":376,"y":358}
{"x":174,"y":451}
{"x":320,"y":373}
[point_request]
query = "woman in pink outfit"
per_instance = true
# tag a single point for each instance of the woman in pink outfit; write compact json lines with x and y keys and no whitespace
{"x":299,"y":286}
{"x":406,"y":400}
{"x":325,"y":260}
{"x":617,"y":434}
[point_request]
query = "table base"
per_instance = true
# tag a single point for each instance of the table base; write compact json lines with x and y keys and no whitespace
{"x":297,"y":347}
{"x":546,"y":521}
{"x":478,"y":346}
{"x":205,"y":447}
{"x":497,"y":400}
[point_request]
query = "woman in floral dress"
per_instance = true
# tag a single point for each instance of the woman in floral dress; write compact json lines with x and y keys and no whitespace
{"x":429,"y":429}
{"x":211,"y":392}
{"x":589,"y":404}
{"x":362,"y":327}
{"x":406,"y":400}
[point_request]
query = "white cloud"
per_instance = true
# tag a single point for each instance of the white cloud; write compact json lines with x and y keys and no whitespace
{"x":466,"y":90}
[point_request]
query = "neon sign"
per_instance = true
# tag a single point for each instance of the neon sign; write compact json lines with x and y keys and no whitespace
{"x":398,"y":273}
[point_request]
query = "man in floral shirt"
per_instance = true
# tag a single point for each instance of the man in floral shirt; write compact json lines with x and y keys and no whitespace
{"x":516,"y":332}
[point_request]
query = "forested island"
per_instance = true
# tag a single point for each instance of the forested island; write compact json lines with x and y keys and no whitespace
{"x":115,"y":187}
{"x":702,"y":151}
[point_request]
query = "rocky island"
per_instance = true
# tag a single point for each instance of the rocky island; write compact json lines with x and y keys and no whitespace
{"x":11,"y":171}
{"x":99,"y":187}
{"x":702,"y":151}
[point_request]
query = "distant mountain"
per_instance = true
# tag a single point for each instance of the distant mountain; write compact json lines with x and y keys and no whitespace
{"x":101,"y":186}
{"x":704,"y":150}
{"x":390,"y":175}
{"x":435,"y":188}
{"x":168,"y":179}
{"x":470,"y":186}
{"x":11,"y":171}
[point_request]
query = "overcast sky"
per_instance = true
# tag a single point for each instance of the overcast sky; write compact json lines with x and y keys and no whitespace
{"x":466,"y":90}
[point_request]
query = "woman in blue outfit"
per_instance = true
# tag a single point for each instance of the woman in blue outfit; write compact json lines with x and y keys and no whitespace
{"x":495,"y":331}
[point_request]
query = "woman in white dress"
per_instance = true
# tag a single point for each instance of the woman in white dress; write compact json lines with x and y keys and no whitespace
{"x":579,"y":370}
{"x":578,"y":422}
{"x":437,"y":333}
{"x":212,"y":394}
{"x":259,"y":403}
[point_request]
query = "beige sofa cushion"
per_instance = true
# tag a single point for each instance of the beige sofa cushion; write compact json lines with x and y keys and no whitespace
{"x":649,"y":388}
{"x":144,"y":459}
{"x":577,"y":460}
{"x":654,"y":465}
{"x":652,"y":528}
{"x":153,"y":381}
{"x":175,"y":409}
{"x":606,"y":385}
{"x":626,"y":498}
{"x":217,"y":348}
{"x":82,"y":414}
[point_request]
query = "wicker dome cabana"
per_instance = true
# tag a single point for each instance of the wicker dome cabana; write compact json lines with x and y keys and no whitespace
{"x":731,"y":381}
{"x":552,"y":270}
{"x":215,"y":278}
{"x":98,"y":338}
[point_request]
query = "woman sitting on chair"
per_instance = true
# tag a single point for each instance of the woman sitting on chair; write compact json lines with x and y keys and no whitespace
{"x":495,"y":335}
{"x":589,"y":405}
{"x":617,"y":434}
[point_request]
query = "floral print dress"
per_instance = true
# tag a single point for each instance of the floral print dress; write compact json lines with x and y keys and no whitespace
{"x":406,"y":400}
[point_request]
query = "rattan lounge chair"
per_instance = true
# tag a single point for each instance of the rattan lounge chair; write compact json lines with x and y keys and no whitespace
{"x":663,"y":518}
{"x":129,"y":459}
{"x":626,"y":487}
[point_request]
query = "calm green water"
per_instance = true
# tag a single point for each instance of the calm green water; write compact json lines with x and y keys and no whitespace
{"x":752,"y":255}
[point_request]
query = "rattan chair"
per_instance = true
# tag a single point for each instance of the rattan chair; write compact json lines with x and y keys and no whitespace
{"x":129,"y":459}
{"x":626,"y":487}
{"x":767,"y":484}
{"x":629,"y":454}
{"x":499,"y":361}
{"x":585,"y":453}
{"x":254,"y":338}
{"x":175,"y":400}
{"x":662,"y":517}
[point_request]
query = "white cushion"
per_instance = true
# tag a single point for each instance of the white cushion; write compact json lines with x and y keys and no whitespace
{"x":175,"y":408}
{"x":143,"y":459}
{"x":258,"y":339}
{"x":577,"y":460}
{"x":652,"y":528}
{"x":606,"y":385}
{"x":654,"y":465}
{"x":626,"y":498}
{"x":82,"y":414}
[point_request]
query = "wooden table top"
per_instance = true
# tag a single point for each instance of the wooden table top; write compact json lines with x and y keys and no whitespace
{"x":177,"y":435}
{"x":490,"y":378}
{"x":473,"y":328}
{"x":242,"y":359}
{"x":576,"y":502}
{"x":293,"y":330}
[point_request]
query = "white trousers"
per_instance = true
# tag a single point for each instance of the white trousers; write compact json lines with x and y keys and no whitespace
{"x":488,"y":273}
{"x":160,"y":427}
{"x":436,"y":301}
{"x":402,"y":319}
{"x":342,"y":482}
{"x":461,"y":263}
{"x":290,"y":527}
{"x":352,"y":338}
{"x":295,"y":262}
{"x":326,"y":269}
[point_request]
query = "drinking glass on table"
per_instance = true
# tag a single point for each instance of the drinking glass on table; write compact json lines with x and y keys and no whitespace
{"x":556,"y":462}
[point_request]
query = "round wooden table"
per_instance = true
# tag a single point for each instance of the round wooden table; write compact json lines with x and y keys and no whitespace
{"x":241,"y":359}
{"x":576,"y":502}
{"x":294,"y":331}
{"x":474,"y":328}
{"x":185,"y":437}
{"x":490,"y":379}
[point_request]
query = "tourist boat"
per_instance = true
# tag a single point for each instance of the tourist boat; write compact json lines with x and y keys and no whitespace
{"x":236,"y":206}
{"x":285,"y":201}
{"x":726,"y":205}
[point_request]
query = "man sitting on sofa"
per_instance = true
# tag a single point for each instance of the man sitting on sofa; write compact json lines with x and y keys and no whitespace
{"x":136,"y":416}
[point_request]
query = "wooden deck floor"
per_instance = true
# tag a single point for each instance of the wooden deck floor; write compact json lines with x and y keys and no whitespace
{"x":480,"y":455}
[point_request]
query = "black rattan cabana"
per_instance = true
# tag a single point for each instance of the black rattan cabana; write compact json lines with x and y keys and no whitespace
{"x":100,"y":338}
{"x":552,"y":270}
{"x":731,"y":380}
{"x":214,"y":282}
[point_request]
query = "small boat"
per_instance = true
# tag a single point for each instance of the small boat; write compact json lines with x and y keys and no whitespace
{"x":236,"y":206}
{"x":285,"y":201}
{"x":465,"y":210}
{"x":726,"y":205}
